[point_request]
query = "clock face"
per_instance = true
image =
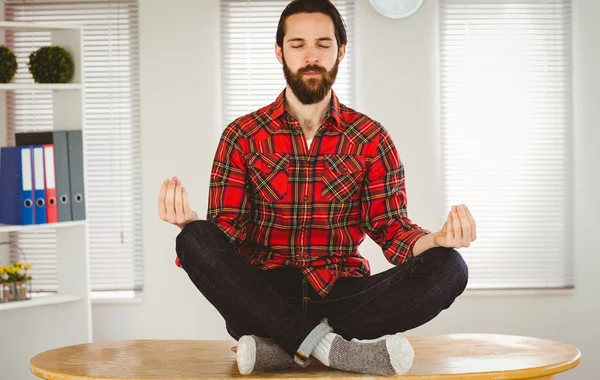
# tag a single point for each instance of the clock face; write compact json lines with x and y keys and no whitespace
{"x":396,"y":8}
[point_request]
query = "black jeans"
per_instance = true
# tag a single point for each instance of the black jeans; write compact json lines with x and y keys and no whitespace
{"x":282,"y":305}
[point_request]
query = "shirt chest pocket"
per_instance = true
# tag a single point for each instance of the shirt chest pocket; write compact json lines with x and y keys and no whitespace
{"x":342,"y":177}
{"x":268,"y":174}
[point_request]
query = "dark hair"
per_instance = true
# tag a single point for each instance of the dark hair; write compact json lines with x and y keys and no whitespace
{"x":313,"y":6}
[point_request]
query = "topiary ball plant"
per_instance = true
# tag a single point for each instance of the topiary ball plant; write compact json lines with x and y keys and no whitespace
{"x":51,"y":64}
{"x":8,"y":64}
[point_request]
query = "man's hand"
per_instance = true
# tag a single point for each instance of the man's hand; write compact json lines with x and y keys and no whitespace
{"x":458,"y":231}
{"x":173,"y":204}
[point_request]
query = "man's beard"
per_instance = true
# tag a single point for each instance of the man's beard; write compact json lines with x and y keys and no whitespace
{"x":312,"y":89}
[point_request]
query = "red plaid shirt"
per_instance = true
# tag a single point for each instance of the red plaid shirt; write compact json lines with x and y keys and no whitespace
{"x":283,"y":204}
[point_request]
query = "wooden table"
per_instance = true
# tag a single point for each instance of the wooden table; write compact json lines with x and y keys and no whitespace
{"x":460,"y":356}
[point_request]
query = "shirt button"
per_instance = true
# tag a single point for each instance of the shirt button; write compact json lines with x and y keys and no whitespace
{"x":306,"y":197}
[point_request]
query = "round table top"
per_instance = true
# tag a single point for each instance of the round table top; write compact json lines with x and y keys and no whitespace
{"x":468,"y":356}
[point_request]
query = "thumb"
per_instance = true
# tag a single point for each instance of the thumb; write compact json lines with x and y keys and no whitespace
{"x":187,"y":209}
{"x":446,"y":227}
{"x":443,"y":232}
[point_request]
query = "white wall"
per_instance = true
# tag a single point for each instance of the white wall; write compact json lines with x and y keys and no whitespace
{"x":180,"y":121}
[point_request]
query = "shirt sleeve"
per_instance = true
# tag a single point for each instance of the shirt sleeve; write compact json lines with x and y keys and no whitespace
{"x":228,"y":202}
{"x":384,"y":204}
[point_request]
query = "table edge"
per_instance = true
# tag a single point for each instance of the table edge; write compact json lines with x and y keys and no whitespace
{"x":507,"y":375}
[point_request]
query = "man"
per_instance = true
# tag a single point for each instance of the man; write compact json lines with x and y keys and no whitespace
{"x":295,"y":188}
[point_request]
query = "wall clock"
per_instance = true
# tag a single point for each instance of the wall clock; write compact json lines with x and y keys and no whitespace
{"x":396,"y":8}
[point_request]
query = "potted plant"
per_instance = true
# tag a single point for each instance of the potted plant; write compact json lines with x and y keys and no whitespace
{"x":51,"y":64}
{"x":8,"y":64}
{"x":4,"y":284}
{"x":18,"y":281}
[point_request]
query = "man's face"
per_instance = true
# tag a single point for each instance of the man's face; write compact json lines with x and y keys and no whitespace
{"x":310,"y":56}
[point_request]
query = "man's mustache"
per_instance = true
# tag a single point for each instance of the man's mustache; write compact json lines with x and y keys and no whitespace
{"x":315,"y":68}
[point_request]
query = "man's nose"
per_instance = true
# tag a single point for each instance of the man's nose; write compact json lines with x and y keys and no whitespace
{"x":312,"y":56}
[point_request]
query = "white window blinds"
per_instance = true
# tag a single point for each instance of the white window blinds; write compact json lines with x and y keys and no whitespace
{"x":506,"y":128}
{"x":112,"y":136}
{"x":251,"y":75}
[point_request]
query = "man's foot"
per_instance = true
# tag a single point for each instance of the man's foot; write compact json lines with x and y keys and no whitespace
{"x":388,"y":355}
{"x":255,"y":354}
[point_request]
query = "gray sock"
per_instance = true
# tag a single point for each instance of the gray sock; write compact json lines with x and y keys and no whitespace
{"x":256,"y":354}
{"x":388,"y":355}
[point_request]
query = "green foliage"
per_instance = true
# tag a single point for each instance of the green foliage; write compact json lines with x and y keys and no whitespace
{"x":51,"y":64}
{"x":8,"y":64}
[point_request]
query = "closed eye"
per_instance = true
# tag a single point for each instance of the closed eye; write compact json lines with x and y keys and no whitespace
{"x":321,"y":46}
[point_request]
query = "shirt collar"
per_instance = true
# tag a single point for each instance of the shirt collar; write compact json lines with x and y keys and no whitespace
{"x":279,"y":111}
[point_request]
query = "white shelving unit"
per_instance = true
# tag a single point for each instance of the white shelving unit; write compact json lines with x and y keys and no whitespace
{"x":6,"y":228}
{"x":40,"y":86}
{"x":70,"y":307}
{"x":39,"y":300}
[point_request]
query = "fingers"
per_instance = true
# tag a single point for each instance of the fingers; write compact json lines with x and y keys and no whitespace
{"x":187,"y":209}
{"x":170,"y":201}
{"x":465,"y":240}
{"x":450,"y":229}
{"x":179,"y":215}
{"x":472,"y":223}
{"x":173,"y":203}
{"x":456,"y":227}
{"x":162,"y":211}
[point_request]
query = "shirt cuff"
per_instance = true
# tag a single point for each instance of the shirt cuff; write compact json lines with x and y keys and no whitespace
{"x":412,"y":240}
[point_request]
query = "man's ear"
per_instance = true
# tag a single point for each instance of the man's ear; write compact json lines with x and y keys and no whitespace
{"x":342,"y":53}
{"x":279,"y":53}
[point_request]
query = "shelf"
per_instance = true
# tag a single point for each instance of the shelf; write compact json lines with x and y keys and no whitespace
{"x":40,"y":86}
{"x":35,"y":27}
{"x":53,"y":299}
{"x":4,"y":228}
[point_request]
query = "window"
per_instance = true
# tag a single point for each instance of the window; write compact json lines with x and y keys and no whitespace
{"x":112,"y":137}
{"x":506,"y":136}
{"x":251,"y":75}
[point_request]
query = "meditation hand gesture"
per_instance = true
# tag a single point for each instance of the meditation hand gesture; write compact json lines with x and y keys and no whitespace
{"x":459,"y":230}
{"x":173,"y":204}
